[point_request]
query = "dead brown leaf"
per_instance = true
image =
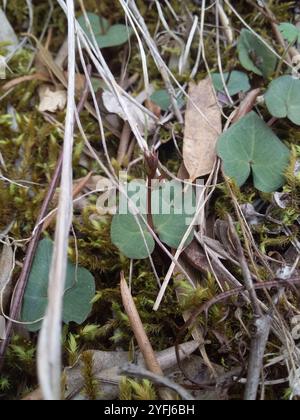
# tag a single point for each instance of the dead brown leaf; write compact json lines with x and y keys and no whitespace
{"x":201,"y":129}
{"x":52,"y":100}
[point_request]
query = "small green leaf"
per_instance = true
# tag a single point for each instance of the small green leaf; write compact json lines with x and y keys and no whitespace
{"x":172,"y":210}
{"x":283,"y":98}
{"x":129,"y":233}
{"x":238,"y":82}
{"x":80,"y":290}
{"x":174,"y":206}
{"x":251,"y":145}
{"x":132,"y":240}
{"x":163,"y":100}
{"x":254,"y":55}
{"x":289,"y":32}
{"x":99,"y":25}
{"x":171,"y":228}
{"x":106,"y":35}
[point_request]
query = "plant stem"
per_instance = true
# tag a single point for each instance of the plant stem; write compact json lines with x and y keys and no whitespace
{"x":151,"y":161}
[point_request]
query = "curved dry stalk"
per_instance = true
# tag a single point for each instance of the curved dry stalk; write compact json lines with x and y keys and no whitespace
{"x":219,"y":15}
{"x":172,"y":34}
{"x":131,"y":8}
{"x":139,"y":372}
{"x":185,"y":54}
{"x":225,"y":22}
{"x":49,"y":346}
{"x":98,"y":60}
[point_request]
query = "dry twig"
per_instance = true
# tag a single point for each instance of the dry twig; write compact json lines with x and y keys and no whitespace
{"x":262,"y":323}
{"x":140,"y":334}
{"x":139,"y":372}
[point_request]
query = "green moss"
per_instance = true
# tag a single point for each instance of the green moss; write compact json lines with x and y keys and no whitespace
{"x":91,"y":386}
{"x":30,"y":154}
{"x":133,"y":390}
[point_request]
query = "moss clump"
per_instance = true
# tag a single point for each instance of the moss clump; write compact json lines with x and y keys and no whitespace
{"x":91,"y":386}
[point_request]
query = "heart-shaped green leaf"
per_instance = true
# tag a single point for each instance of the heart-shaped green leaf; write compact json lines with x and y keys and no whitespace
{"x":163,"y":100}
{"x":80,"y":290}
{"x":236,"y":82}
{"x":173,"y":208}
{"x":106,"y":35}
{"x":283,"y":98}
{"x":289,"y":32}
{"x":251,"y":145}
{"x":132,"y":239}
{"x":172,"y":213}
{"x":254,"y":55}
{"x":171,"y":228}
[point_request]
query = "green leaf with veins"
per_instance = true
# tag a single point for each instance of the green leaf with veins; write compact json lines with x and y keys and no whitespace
{"x":171,"y":228}
{"x":236,"y":82}
{"x":255,"y":56}
{"x":79,"y":290}
{"x":132,"y":238}
{"x":251,"y":146}
{"x":105,"y":34}
{"x":289,"y":32}
{"x":135,"y":241}
{"x":283,"y":98}
{"x":163,"y":100}
{"x":174,"y":215}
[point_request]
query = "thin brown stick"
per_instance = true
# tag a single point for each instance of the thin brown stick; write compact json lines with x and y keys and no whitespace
{"x":124,"y":143}
{"x":138,"y":329}
{"x":139,"y":372}
{"x":267,"y":12}
{"x":248,"y":282}
{"x":262,"y":323}
{"x":140,"y":334}
{"x":259,"y":342}
{"x":272,"y":18}
{"x":15,"y":82}
{"x":246,"y":105}
{"x":151,"y":163}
